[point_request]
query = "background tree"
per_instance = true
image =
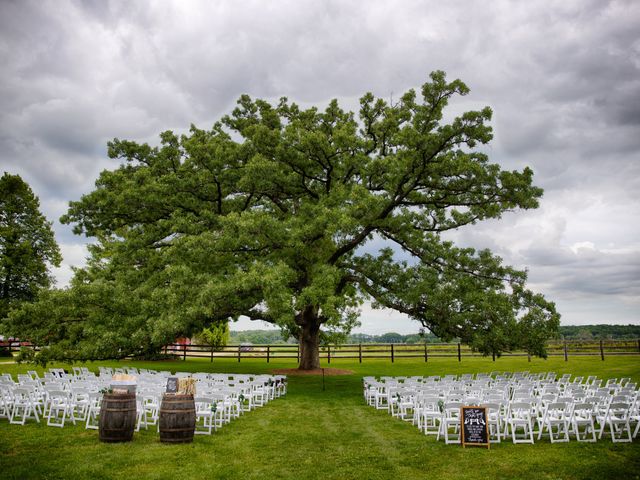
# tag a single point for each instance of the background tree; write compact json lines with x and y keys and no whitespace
{"x":27,"y":244}
{"x":296,"y":217}
{"x":216,"y":336}
{"x":391,"y":337}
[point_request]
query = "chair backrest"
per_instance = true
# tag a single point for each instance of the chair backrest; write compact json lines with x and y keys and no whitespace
{"x":452,"y":409}
{"x":557,"y":408}
{"x":430,"y":403}
{"x":22,"y":393}
{"x":203,"y":402}
{"x":493,"y":407}
{"x":583,"y":409}
{"x":493,"y":398}
{"x":619,"y":409}
{"x":520,"y":409}
{"x":620,"y":399}
{"x":58,"y":395}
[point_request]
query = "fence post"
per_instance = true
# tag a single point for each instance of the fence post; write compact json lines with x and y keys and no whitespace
{"x":328,"y":353}
{"x":426,"y":355}
{"x":360,"y":352}
{"x":184,"y":353}
{"x":459,"y":353}
{"x":566,"y":355}
{"x":392,"y":356}
{"x":239,"y":354}
{"x":268,"y":352}
{"x":529,"y":357}
{"x":638,"y":345}
{"x":602,"y":350}
{"x":211,"y":353}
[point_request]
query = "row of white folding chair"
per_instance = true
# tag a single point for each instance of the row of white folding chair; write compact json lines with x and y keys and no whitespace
{"x":59,"y":404}
{"x":211,"y":413}
{"x":529,"y":388}
{"x":557,"y":420}
{"x":213,"y":410}
{"x":262,"y":389}
{"x":568,"y":418}
{"x":538,"y":381}
{"x":52,"y":402}
{"x":613,"y":417}
{"x":21,"y":403}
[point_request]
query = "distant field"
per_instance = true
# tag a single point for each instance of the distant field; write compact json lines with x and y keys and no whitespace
{"x":321,"y":434}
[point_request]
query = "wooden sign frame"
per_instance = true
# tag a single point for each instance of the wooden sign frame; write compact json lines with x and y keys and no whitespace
{"x":172,"y":385}
{"x":481,"y":414}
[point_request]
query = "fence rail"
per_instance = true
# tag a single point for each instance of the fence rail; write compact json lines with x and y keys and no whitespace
{"x":394,"y":351}
{"x":390,"y":351}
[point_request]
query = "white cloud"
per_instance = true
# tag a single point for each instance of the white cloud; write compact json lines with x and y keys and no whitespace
{"x":74,"y":255}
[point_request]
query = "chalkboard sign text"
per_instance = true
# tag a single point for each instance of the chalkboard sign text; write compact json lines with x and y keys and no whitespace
{"x":474,"y":428}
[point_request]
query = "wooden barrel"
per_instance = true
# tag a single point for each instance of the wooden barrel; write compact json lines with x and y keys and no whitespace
{"x":117,"y":418}
{"x":177,"y":418}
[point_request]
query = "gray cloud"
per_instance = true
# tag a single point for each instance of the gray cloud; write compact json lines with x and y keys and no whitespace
{"x":562,"y":78}
{"x":583,"y":270}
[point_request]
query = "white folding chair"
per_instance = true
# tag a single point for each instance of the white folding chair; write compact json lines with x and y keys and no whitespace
{"x":25,"y":406}
{"x":281,"y":385}
{"x":369,"y":391}
{"x":93,"y":411}
{"x":582,"y":417}
{"x":151,"y":401}
{"x":259,"y":396}
{"x":79,"y":403}
{"x":494,"y":420}
{"x":431,"y":415}
{"x":218,"y":407}
{"x":520,"y":417}
{"x":59,"y":408}
{"x":618,"y":420}
{"x":556,"y":415}
{"x":450,"y":423}
{"x":404,"y":404}
{"x":205,"y":412}
{"x":6,"y":400}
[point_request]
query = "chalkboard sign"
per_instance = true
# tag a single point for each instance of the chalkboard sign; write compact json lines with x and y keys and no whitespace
{"x":475,"y":428}
{"x":172,"y":384}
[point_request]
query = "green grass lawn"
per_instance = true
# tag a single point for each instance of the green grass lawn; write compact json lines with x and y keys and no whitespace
{"x":313,"y":433}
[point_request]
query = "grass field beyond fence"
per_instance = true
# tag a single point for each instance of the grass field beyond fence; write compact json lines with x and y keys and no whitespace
{"x":320,"y":433}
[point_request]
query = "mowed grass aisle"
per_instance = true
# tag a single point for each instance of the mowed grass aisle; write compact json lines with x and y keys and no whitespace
{"x":316,"y":434}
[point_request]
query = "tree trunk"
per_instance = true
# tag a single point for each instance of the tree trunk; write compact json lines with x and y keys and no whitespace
{"x":309,"y":341}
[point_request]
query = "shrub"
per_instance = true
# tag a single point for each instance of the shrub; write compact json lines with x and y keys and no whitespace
{"x":5,"y":352}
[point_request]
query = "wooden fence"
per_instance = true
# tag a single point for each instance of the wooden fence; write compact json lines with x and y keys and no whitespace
{"x":394,"y":351}
{"x":389,"y":351}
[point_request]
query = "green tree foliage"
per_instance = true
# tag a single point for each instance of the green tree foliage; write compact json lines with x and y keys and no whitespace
{"x":216,"y":335}
{"x":391,"y":337}
{"x":273,"y":213}
{"x":259,"y":337}
{"x":27,"y":245}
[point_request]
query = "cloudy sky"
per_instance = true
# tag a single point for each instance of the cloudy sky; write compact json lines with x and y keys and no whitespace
{"x":563,"y":78}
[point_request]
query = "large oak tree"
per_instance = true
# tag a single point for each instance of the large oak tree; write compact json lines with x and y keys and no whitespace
{"x":274,"y":214}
